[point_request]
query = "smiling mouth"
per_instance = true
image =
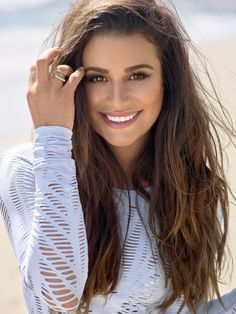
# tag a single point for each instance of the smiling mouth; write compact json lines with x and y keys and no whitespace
{"x":120,"y":120}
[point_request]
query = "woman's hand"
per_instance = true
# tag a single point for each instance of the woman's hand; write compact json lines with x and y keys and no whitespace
{"x":51,"y":102}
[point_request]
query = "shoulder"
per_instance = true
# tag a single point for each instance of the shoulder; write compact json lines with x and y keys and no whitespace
{"x":16,"y":167}
{"x":15,"y":157}
{"x":20,"y":152}
{"x":17,"y":188}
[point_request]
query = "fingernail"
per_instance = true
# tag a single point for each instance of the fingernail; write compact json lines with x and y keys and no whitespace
{"x":81,"y":69}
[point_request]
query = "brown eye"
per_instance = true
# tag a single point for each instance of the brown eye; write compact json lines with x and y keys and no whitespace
{"x":95,"y":79}
{"x":139,"y":76}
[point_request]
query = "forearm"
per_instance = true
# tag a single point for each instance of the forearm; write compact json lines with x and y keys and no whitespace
{"x":56,"y":262}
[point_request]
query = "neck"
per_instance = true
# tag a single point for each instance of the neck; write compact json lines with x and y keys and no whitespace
{"x":127,"y":157}
{"x":127,"y":160}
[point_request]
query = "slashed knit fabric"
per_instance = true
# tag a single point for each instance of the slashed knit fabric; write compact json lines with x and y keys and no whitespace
{"x":41,"y":209}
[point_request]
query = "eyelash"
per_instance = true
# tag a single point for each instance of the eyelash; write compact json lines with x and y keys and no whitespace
{"x":90,"y":79}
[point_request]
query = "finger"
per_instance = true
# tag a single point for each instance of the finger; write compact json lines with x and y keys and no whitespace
{"x":32,"y":75}
{"x":66,"y":70}
{"x":43,"y":63}
{"x":74,"y":79}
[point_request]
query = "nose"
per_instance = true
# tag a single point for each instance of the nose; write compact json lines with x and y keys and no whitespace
{"x":118,"y":96}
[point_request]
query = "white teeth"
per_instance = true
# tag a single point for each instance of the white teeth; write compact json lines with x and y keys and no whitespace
{"x":121,"y":119}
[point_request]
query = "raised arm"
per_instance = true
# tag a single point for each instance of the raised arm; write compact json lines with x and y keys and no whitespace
{"x":43,"y":215}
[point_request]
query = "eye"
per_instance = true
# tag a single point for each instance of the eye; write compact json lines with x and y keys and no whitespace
{"x":139,"y":76}
{"x":95,"y":79}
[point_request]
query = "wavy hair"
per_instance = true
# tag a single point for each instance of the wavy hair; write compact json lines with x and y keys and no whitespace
{"x":182,"y":159}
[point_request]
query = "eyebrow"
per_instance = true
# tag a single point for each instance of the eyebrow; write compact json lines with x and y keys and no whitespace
{"x":127,"y":70}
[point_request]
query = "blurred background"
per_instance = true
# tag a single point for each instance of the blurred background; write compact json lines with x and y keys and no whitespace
{"x":25,"y":24}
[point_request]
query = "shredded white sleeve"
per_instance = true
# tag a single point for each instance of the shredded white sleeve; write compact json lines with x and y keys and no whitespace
{"x":40,"y":206}
{"x":52,"y":252}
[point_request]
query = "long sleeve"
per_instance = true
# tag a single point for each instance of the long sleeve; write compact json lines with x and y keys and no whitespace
{"x":52,"y":248}
{"x":40,"y":206}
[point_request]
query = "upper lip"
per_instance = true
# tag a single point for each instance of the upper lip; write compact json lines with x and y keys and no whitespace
{"x":120,"y":114}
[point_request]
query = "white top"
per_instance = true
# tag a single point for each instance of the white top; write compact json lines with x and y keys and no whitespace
{"x":41,"y":209}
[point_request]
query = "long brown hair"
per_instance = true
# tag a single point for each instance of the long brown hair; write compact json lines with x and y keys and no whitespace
{"x":182,"y":160}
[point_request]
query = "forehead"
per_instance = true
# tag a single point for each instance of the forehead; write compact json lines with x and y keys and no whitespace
{"x":117,"y":48}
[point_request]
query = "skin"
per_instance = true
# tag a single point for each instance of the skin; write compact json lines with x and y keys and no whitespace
{"x":121,"y":92}
{"x":118,"y":91}
{"x":51,"y":102}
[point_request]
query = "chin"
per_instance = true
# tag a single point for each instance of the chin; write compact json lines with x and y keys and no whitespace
{"x":119,"y":143}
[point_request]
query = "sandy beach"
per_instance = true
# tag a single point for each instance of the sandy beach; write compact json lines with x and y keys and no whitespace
{"x":221,"y":55}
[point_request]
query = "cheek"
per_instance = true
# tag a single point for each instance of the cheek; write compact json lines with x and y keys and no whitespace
{"x":94,"y":96}
{"x":148,"y":94}
{"x":158,"y":94}
{"x":151,"y":94}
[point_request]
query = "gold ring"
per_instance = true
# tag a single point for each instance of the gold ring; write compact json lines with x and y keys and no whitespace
{"x":60,"y":76}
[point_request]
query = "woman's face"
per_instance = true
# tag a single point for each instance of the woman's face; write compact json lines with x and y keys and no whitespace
{"x":123,"y":82}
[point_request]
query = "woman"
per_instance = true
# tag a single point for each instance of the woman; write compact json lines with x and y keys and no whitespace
{"x":121,"y":204}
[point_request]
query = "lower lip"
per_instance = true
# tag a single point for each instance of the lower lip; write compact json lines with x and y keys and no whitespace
{"x":120,"y":125}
